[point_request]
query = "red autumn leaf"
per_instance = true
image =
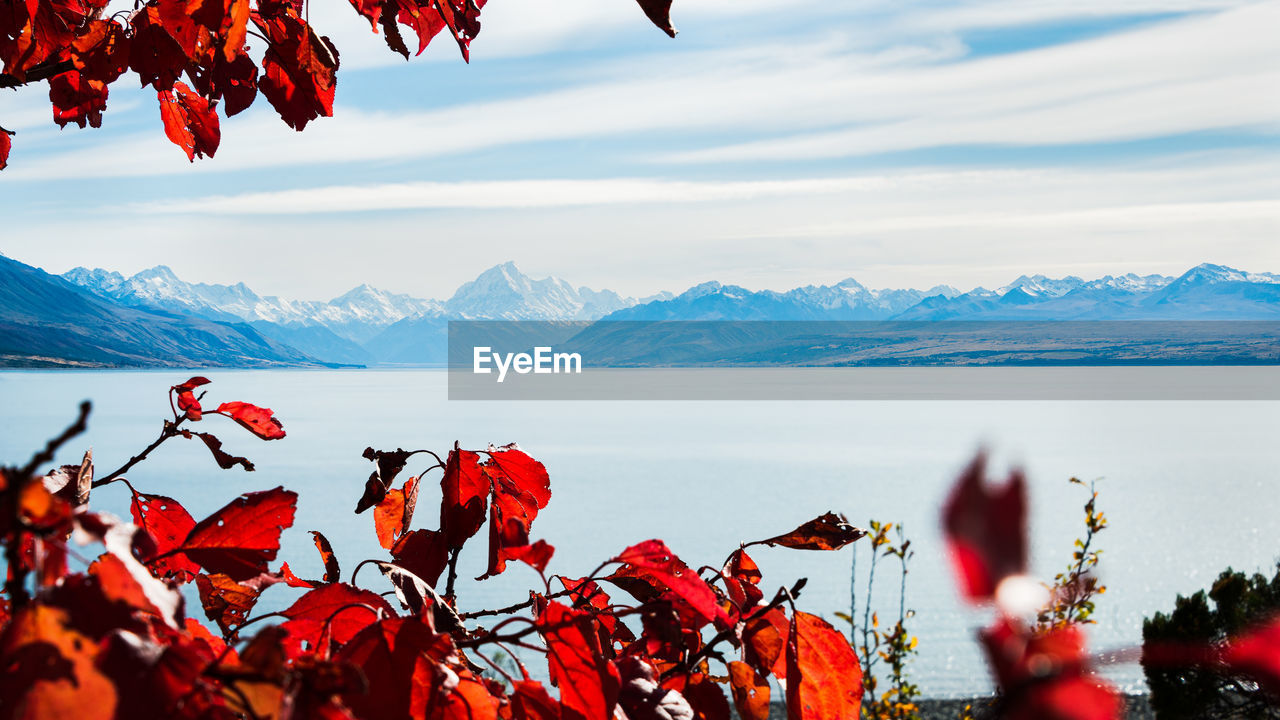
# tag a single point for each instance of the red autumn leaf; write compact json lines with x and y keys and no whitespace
{"x":986,"y":529}
{"x":258,"y":420}
{"x":704,"y":696}
{"x":462,"y":17}
{"x":50,"y":668}
{"x":292,"y":580}
{"x":234,"y":81}
{"x":299,"y":69}
{"x":187,"y":401}
{"x":153,"y":54}
{"x":750,"y":691}
{"x":228,"y":602}
{"x":1044,"y":674}
{"x":521,"y":488}
{"x":399,"y":657}
{"x":742,"y":579}
{"x":191,"y":123}
{"x":337,"y":610}
{"x":6,"y":144}
{"x":389,"y":464}
{"x":464,"y":491}
{"x":423,"y":553}
{"x":536,"y":555}
{"x":1257,"y":655}
{"x":643,"y":698}
{"x":241,"y":538}
{"x":653,"y":563}
{"x":168,"y":524}
{"x":40,"y":31}
{"x":589,"y":684}
{"x":659,"y":11}
{"x":332,"y":572}
{"x":394,"y":513}
{"x":824,"y":679}
{"x":530,"y":701}
{"x":828,"y":531}
{"x":77,"y":99}
{"x":225,"y":460}
{"x":101,"y":52}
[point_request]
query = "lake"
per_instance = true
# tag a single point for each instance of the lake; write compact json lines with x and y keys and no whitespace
{"x":1189,"y":487}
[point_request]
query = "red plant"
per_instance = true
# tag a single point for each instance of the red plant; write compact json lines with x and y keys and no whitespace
{"x":113,"y":640}
{"x":81,"y":53}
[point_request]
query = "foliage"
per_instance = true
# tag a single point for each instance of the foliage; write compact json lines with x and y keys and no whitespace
{"x":1071,"y":595}
{"x":1231,"y":679}
{"x":893,"y":647}
{"x":113,"y":640}
{"x":81,"y":52}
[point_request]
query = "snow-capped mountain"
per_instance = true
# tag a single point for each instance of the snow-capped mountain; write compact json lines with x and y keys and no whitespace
{"x":159,"y":287}
{"x":845,"y":300}
{"x":504,"y":293}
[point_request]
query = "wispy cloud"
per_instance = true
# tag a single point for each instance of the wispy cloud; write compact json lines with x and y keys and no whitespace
{"x":787,"y":102}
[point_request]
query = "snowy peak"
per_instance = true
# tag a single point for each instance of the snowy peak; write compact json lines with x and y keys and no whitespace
{"x":1207,"y":273}
{"x":504,"y":293}
{"x":98,"y":280}
{"x":1042,"y":286}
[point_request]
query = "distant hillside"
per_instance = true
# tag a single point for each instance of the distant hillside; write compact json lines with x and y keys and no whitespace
{"x":47,"y":321}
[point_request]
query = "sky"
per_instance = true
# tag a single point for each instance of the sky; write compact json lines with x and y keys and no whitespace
{"x":771,"y":144}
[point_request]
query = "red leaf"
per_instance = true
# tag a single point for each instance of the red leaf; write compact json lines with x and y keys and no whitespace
{"x":228,"y":602}
{"x":530,"y":701}
{"x":987,"y":530}
{"x":654,"y":563}
{"x":299,"y":70}
{"x":1257,"y":655}
{"x":423,"y":553}
{"x":824,"y":679}
{"x":1044,"y":675}
{"x":168,"y":524}
{"x":826,"y":532}
{"x":536,"y":555}
{"x":659,"y":11}
{"x":463,"y":20}
{"x":6,"y":144}
{"x":399,"y":657}
{"x":187,"y":401}
{"x":332,"y":612}
{"x":703,"y":695}
{"x":77,"y":99}
{"x":332,"y":572}
{"x":292,"y":580}
{"x":190,"y":122}
{"x":741,"y":578}
{"x":241,"y":538}
{"x":101,"y":52}
{"x":464,"y":489}
{"x":750,"y":691}
{"x":416,"y":596}
{"x":234,"y":81}
{"x":153,"y":54}
{"x":589,"y":684}
{"x":521,"y":488}
{"x":257,"y":420}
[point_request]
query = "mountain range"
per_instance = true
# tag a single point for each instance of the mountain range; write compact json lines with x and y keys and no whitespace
{"x":98,"y":317}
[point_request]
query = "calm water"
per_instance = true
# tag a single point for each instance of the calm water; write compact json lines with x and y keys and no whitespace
{"x":1189,"y":487}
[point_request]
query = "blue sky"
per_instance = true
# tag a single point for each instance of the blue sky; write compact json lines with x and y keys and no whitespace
{"x":771,"y":144}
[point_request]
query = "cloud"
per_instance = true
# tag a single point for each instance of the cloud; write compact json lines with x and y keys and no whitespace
{"x":789,"y":101}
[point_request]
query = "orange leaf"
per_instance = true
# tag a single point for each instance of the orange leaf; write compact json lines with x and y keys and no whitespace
{"x":824,"y":679}
{"x":750,"y":691}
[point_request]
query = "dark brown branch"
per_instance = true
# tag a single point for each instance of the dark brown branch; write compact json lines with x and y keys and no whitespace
{"x":170,"y":430}
{"x":46,"y":455}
